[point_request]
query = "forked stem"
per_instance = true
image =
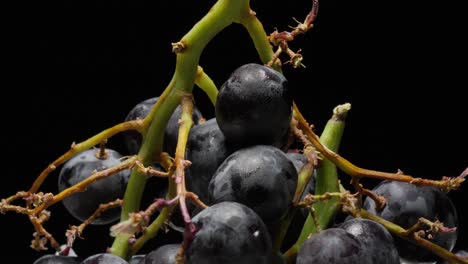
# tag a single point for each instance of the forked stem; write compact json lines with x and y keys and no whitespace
{"x":188,"y":50}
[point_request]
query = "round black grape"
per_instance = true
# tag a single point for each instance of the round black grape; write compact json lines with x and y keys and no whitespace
{"x":254,"y":106}
{"x":135,"y":259}
{"x":82,"y":204}
{"x":104,"y":258}
{"x":229,"y":233}
{"x":405,"y":204}
{"x":57,"y":259}
{"x":333,"y":246}
{"x":261,"y":177}
{"x":375,"y":238}
{"x":206,"y":149}
{"x":162,"y":255}
{"x":140,"y":111}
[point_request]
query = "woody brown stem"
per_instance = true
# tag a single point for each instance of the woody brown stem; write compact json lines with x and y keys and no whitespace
{"x":411,"y":235}
{"x":445,"y":184}
{"x":87,"y":144}
{"x":151,"y":171}
{"x":76,"y":231}
{"x":81,"y":186}
{"x":37,"y":244}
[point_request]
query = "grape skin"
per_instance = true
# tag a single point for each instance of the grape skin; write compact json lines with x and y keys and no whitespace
{"x":377,"y":241}
{"x":82,"y":204}
{"x":405,"y":204}
{"x":162,"y":255}
{"x":333,"y":246}
{"x":104,"y":258}
{"x":56,"y":259}
{"x":261,"y":177}
{"x":135,"y":259}
{"x":206,"y":149}
{"x":254,"y":106}
{"x":229,"y":233}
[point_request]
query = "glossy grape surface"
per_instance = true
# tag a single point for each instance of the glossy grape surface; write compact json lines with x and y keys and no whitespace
{"x":375,"y":238}
{"x":229,"y":233}
{"x":55,"y":259}
{"x":82,"y":204}
{"x":135,"y":259}
{"x":405,"y":204}
{"x":254,"y":106}
{"x":333,"y":246}
{"x":162,"y":255}
{"x":104,"y":258}
{"x":261,"y":177}
{"x":206,"y":149}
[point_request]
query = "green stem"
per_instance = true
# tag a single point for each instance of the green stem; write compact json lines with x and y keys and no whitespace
{"x":326,"y":181}
{"x":207,"y":85}
{"x":221,"y":15}
{"x":259,"y":37}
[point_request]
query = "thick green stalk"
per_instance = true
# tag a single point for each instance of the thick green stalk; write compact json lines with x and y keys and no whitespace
{"x":327,"y":174}
{"x":326,"y":181}
{"x":188,"y":50}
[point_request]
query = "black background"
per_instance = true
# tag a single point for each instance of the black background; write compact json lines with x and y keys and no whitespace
{"x":73,"y":70}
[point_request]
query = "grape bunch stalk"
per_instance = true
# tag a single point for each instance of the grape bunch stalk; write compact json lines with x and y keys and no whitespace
{"x":255,"y":184}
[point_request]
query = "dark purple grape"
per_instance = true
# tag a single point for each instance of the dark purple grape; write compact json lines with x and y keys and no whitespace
{"x":57,"y":259}
{"x":254,"y":106}
{"x":375,"y":238}
{"x":82,"y":204}
{"x":405,"y":204}
{"x":135,"y":259}
{"x":229,"y":233}
{"x":140,"y":111}
{"x":104,"y":258}
{"x":333,"y":246}
{"x":261,"y":177}
{"x":206,"y":149}
{"x":162,"y":255}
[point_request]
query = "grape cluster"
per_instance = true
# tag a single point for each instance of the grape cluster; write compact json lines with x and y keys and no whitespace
{"x":244,"y":170}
